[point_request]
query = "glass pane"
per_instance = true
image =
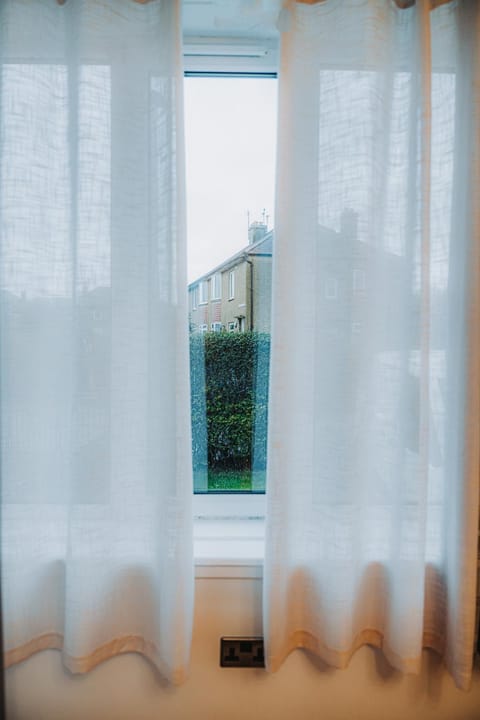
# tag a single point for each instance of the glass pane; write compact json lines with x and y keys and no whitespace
{"x":230,"y":141}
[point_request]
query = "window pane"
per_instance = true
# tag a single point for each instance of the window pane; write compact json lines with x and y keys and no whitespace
{"x":230,"y":134}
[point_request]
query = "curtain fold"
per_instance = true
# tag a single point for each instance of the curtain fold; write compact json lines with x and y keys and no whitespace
{"x":402,"y":4}
{"x":95,"y":424}
{"x":373,"y":459}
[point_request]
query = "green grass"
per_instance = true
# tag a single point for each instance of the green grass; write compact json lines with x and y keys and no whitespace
{"x":229,"y":480}
{"x":232,"y":480}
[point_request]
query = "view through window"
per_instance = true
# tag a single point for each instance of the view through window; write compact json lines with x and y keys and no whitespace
{"x":230,"y":144}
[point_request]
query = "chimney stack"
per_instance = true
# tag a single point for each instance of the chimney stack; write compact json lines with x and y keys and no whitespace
{"x":256,"y":231}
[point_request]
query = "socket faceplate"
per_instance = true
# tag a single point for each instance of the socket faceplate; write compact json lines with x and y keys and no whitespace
{"x":242,"y":652}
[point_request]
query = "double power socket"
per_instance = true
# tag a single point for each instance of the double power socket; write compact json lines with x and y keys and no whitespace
{"x":242,"y":652}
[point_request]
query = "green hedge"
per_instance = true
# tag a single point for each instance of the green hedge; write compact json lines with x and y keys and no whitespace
{"x":229,"y":382}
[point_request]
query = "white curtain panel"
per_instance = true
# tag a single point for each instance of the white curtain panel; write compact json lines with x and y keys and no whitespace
{"x":95,"y":424}
{"x":374,"y":406}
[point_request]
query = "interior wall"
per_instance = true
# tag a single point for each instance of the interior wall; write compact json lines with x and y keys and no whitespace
{"x":127,"y":687}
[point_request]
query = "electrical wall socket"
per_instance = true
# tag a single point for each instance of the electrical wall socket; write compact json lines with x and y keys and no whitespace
{"x":242,"y":652}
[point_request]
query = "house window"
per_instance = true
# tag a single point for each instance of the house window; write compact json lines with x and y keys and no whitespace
{"x":231,"y":327}
{"x":216,"y":286}
{"x":216,"y":326}
{"x":203,"y":287}
{"x":203,"y":328}
{"x":231,"y":284}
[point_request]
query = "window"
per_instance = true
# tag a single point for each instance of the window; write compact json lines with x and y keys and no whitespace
{"x":216,"y":286}
{"x":203,"y":292}
{"x":228,"y":193}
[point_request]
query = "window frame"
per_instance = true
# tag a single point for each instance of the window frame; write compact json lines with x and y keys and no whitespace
{"x":216,"y":286}
{"x":231,"y":284}
{"x":203,"y":292}
{"x":244,"y":506}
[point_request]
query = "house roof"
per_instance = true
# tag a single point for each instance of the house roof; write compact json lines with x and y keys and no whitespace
{"x":262,"y":247}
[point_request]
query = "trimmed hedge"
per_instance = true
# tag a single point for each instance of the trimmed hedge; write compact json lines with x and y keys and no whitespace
{"x":229,"y":394}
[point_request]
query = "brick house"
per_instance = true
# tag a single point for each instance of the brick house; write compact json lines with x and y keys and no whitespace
{"x":236,"y":295}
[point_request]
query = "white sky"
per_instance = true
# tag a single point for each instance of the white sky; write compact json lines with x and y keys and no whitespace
{"x":230,"y":142}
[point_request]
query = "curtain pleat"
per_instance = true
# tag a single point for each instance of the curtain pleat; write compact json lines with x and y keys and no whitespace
{"x":372,"y":480}
{"x":95,"y":424}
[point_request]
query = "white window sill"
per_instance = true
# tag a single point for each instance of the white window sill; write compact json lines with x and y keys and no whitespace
{"x":229,"y":535}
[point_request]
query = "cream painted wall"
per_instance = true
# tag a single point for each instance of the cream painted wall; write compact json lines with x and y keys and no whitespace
{"x":126,"y":688}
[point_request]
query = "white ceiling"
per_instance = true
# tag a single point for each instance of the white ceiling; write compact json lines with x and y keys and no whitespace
{"x":248,"y":19}
{"x":231,"y":36}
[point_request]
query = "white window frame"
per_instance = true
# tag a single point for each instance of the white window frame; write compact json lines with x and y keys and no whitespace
{"x":237,"y":550}
{"x":216,"y":286}
{"x":215,"y":506}
{"x":229,"y":55}
{"x":231,"y":326}
{"x":203,"y":292}
{"x":216,"y":326}
{"x":203,"y":328}
{"x":231,"y":284}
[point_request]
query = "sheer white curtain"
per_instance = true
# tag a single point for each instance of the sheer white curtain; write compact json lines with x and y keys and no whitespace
{"x":374,"y":408}
{"x":95,"y":425}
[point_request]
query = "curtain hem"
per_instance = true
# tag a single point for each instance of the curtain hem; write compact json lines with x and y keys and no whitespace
{"x":340,"y":659}
{"x":81,"y":665}
{"x":405,"y":4}
{"x":401,"y":4}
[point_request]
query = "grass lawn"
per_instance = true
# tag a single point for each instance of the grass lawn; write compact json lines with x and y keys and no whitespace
{"x":231,"y":480}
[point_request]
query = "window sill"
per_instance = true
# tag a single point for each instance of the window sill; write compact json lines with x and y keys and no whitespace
{"x":229,"y":548}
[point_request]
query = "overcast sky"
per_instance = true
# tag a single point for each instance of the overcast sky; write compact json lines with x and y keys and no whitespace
{"x":230,"y":139}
